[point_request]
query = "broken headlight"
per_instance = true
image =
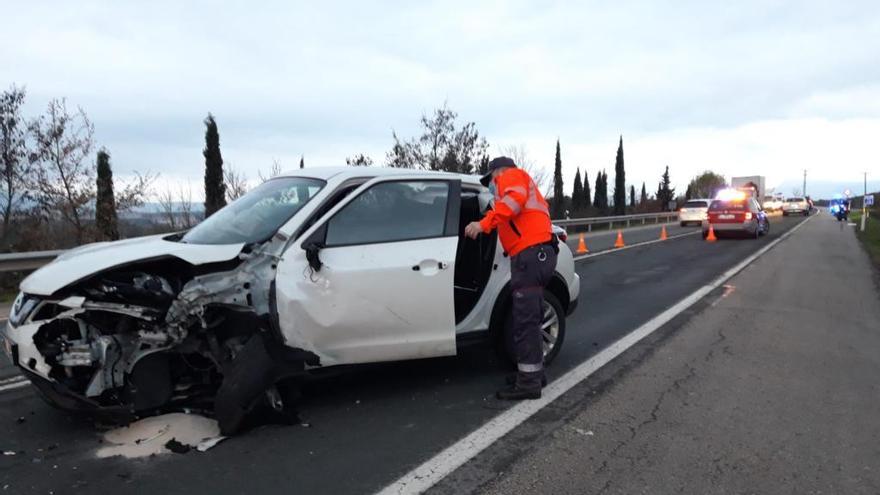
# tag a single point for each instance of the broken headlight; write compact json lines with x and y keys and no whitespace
{"x":22,"y":308}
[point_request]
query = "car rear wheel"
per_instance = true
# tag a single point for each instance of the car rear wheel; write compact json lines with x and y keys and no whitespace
{"x":552,"y":331}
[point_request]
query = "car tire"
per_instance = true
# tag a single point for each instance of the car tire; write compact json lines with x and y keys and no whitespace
{"x":504,"y":342}
{"x":683,"y":224}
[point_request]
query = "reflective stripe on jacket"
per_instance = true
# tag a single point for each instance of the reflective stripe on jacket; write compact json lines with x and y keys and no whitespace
{"x":521,"y":215}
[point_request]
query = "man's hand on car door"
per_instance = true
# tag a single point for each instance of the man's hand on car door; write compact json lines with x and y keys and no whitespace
{"x":473,"y":229}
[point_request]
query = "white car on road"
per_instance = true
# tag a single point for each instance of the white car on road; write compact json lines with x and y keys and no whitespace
{"x":796,"y":206}
{"x":326,"y":267}
{"x":694,"y":212}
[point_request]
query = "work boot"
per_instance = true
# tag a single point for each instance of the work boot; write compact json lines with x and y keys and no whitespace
{"x":515,"y":393}
{"x":511,"y":380}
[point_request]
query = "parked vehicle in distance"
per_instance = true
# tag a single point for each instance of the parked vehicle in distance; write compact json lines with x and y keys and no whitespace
{"x":796,"y":206}
{"x":773,"y":203}
{"x":694,"y":212}
{"x":323,"y":267}
{"x":752,"y":185}
{"x":736,"y":213}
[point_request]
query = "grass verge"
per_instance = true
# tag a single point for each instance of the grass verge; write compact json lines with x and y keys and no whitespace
{"x":871,"y":236}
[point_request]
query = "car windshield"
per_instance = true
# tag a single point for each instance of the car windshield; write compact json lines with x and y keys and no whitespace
{"x":795,"y":200}
{"x":695,"y":204}
{"x":256,"y":216}
{"x":727,"y":205}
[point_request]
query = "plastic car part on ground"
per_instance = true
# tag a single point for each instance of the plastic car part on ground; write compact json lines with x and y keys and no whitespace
{"x":152,"y":435}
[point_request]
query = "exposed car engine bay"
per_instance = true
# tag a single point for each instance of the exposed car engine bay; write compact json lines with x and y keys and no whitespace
{"x":164,"y":333}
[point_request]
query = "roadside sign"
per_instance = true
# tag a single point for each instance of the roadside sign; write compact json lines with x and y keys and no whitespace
{"x":869,"y":200}
{"x":847,"y":193}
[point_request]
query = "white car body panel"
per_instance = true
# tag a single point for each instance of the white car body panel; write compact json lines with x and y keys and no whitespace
{"x":339,"y":315}
{"x":367,"y":304}
{"x":81,"y":262}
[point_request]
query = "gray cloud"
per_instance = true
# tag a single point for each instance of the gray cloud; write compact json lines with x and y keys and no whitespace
{"x":330,"y":80}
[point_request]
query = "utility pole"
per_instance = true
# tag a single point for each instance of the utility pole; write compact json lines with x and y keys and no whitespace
{"x":804,"y":190}
{"x":864,"y":206}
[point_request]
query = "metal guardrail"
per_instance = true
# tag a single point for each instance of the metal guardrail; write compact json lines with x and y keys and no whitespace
{"x":628,"y":220}
{"x":16,"y":262}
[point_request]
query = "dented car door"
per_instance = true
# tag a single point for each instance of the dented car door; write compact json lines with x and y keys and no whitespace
{"x":373,"y":279}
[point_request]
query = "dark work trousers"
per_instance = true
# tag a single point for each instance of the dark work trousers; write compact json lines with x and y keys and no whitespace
{"x":530,"y":272}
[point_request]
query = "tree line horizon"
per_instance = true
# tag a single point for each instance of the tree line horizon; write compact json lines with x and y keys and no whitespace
{"x":57,"y":188}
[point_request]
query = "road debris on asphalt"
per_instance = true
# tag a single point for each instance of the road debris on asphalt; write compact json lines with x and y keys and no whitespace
{"x":581,"y":431}
{"x":174,"y":432}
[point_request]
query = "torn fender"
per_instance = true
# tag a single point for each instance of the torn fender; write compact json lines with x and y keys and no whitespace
{"x":85,"y":261}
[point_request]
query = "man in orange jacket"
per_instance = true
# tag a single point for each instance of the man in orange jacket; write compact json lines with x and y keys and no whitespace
{"x":523,"y":221}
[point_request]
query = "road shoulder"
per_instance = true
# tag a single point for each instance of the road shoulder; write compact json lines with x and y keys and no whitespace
{"x":770,"y":388}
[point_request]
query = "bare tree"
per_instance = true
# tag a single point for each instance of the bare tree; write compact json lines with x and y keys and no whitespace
{"x":273,"y":172}
{"x":441,"y":146}
{"x":134,"y":192}
{"x":165,"y":198}
{"x":236,"y":183}
{"x":185,"y":202}
{"x":176,"y":206}
{"x":63,"y":178}
{"x":359,"y":160}
{"x":15,"y":167}
{"x":520,"y":156}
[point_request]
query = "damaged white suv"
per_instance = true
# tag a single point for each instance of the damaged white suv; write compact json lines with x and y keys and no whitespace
{"x":326,"y":267}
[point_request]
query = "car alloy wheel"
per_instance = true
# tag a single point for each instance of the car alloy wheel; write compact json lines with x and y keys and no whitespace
{"x":549,"y":328}
{"x":552,"y":331}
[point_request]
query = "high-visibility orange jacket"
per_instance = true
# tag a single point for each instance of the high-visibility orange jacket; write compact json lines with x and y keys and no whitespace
{"x":521,"y":215}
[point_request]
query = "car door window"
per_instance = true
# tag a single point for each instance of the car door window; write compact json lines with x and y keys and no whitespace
{"x":390,"y":212}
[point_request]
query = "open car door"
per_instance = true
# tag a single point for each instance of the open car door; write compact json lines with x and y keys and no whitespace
{"x":373,"y":279}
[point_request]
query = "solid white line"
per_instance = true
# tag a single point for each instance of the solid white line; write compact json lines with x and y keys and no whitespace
{"x":624,"y":248}
{"x":14,"y":385}
{"x":441,"y":465}
{"x":16,"y":378}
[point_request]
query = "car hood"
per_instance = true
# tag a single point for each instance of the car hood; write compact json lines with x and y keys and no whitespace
{"x":79,"y":263}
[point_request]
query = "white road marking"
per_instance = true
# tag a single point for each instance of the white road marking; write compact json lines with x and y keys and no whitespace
{"x":628,"y":246}
{"x":16,"y":378}
{"x":23,"y":382}
{"x":441,"y":465}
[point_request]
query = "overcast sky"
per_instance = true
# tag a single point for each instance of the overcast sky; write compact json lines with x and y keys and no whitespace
{"x":741,"y":88}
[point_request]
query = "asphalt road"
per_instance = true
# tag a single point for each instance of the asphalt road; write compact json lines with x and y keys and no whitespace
{"x":369,"y":426}
{"x":771,"y":388}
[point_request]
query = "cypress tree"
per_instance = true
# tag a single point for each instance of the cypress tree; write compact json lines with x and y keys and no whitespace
{"x":601,"y":196}
{"x":588,"y":200}
{"x":665,"y":194}
{"x":577,"y":192}
{"x":632,"y":196}
{"x":643,"y":200}
{"x":215,"y":188}
{"x":302,"y":161}
{"x":105,"y":204}
{"x":619,"y":182}
{"x":558,"y":191}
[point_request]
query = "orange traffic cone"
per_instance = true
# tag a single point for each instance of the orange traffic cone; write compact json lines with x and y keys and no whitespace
{"x":619,"y":242}
{"x":663,"y":233}
{"x":711,"y":237}
{"x":582,"y":246}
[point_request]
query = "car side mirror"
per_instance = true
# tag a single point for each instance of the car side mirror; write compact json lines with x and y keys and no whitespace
{"x":312,"y":250}
{"x":313,"y":246}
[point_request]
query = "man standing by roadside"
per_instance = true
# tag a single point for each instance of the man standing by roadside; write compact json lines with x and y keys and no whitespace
{"x":522,"y":218}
